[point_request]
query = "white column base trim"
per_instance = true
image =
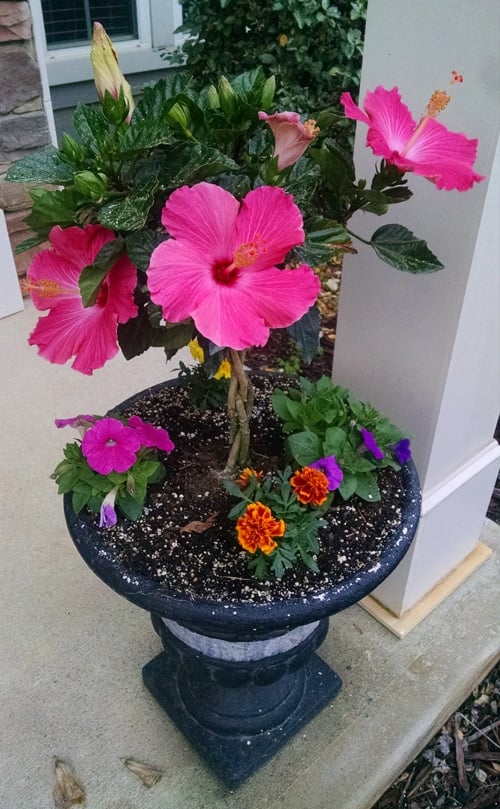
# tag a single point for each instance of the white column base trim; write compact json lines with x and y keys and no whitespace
{"x":449,"y":529}
{"x":401,"y":625}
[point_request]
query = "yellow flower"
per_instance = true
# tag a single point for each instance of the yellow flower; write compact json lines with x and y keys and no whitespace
{"x":257,"y":527}
{"x":196,"y":350}
{"x":282,"y":40}
{"x":223,"y":371}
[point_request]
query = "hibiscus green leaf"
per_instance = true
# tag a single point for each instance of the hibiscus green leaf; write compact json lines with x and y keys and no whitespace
{"x":27,"y":244}
{"x":92,"y":127}
{"x":399,"y":247}
{"x":305,"y":332}
{"x":140,"y":244}
{"x":136,"y":335}
{"x":45,"y":166}
{"x":195,"y":162}
{"x":305,"y":447}
{"x":303,"y":181}
{"x":173,"y":336}
{"x":53,"y":208}
{"x":131,"y":212}
{"x":93,"y":275}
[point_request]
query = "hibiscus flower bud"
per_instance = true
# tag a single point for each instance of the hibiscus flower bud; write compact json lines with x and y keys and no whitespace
{"x":268,"y":91}
{"x":71,"y":149}
{"x":227,"y":97}
{"x":291,"y":136}
{"x":91,"y":185}
{"x":179,"y":114}
{"x":107,"y":74}
{"x":213,"y":98}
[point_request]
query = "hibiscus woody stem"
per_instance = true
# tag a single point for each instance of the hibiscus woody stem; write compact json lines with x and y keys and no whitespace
{"x":239,"y":407}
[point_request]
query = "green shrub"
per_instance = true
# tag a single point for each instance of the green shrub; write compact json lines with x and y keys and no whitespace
{"x":314,"y":47}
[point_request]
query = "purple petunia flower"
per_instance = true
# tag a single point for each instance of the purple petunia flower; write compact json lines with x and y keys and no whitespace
{"x":107,"y":516}
{"x":331,"y":470}
{"x":151,"y":436}
{"x":402,"y":451}
{"x":109,"y":446}
{"x":370,"y":444}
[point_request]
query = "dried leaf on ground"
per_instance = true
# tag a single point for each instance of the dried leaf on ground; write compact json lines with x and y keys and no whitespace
{"x":67,"y":792}
{"x":149,"y":775}
{"x":198,"y":526}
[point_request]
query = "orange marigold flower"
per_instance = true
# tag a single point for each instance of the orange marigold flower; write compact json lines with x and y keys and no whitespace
{"x":257,"y":527}
{"x":310,"y":486}
{"x":246,"y":475}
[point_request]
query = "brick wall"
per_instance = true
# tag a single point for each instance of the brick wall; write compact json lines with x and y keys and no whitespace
{"x":23,"y":123}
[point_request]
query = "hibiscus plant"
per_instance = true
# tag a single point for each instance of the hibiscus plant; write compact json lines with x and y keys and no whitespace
{"x":198,"y":217}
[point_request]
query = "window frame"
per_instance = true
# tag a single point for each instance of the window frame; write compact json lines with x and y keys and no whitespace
{"x":156,"y":23}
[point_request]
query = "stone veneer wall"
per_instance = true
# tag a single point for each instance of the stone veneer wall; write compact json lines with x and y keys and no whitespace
{"x":23,"y":123}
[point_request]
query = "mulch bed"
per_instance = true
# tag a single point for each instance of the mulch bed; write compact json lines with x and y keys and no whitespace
{"x":461,"y":765}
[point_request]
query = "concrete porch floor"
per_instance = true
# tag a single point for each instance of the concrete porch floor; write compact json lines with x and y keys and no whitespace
{"x":71,"y":650}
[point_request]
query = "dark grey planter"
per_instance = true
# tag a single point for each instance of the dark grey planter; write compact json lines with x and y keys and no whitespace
{"x":241,"y":679}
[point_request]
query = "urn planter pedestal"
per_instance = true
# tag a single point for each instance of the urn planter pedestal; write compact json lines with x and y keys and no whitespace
{"x":240,"y":678}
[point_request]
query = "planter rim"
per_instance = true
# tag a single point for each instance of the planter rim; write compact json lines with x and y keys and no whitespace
{"x":249,"y":617}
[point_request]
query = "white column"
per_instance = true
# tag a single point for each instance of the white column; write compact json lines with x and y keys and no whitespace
{"x":426,"y":349}
{"x":10,"y":294}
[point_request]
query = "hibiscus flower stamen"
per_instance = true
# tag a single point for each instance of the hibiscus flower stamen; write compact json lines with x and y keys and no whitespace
{"x":248,"y":253}
{"x":45,"y":288}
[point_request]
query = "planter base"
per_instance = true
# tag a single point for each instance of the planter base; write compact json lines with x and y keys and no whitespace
{"x":233,"y":758}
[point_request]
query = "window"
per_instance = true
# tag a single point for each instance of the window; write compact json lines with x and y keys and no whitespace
{"x":138,"y":28}
{"x":70,"y":22}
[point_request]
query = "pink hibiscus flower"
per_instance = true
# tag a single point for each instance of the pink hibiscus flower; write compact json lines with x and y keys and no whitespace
{"x":427,"y":148}
{"x":109,"y":446}
{"x":219,"y":267}
{"x":70,"y":330}
{"x":151,"y":436}
{"x":291,"y":136}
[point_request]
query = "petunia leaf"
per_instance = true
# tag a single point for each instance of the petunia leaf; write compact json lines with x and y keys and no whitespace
{"x":367,"y":487}
{"x":399,"y":247}
{"x":305,"y":447}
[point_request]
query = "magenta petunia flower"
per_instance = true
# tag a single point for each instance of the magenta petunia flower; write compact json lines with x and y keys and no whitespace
{"x":402,"y":451}
{"x":70,"y":330}
{"x":83,"y":420}
{"x":370,"y":444}
{"x":291,"y":136}
{"x":110,"y":446}
{"x":219,"y":267}
{"x":151,"y":436}
{"x":427,"y":148}
{"x":331,"y":470}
